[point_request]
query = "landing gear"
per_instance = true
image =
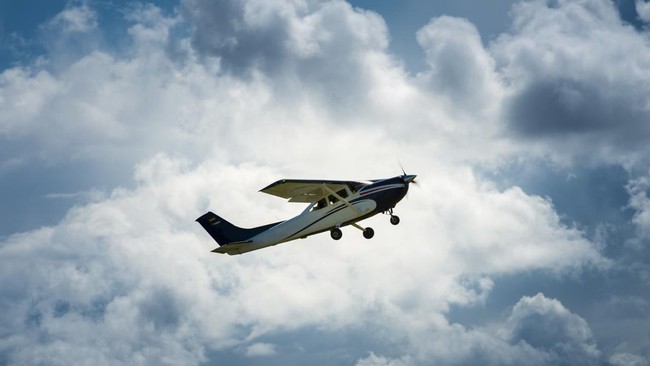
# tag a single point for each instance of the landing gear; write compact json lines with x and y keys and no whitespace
{"x":394,"y":219}
{"x":336,"y":233}
{"x":368,"y":233}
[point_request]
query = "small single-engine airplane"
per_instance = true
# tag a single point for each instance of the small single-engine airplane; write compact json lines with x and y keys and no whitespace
{"x":332,"y":205}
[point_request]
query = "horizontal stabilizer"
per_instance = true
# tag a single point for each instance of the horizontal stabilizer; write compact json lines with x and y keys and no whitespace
{"x":232,"y":248}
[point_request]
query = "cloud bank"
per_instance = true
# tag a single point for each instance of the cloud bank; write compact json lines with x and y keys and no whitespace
{"x":213,"y":101}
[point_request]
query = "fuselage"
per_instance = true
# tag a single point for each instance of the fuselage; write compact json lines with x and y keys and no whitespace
{"x":361,"y":202}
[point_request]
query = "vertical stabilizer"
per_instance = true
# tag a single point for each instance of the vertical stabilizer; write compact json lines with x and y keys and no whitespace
{"x":225,"y":233}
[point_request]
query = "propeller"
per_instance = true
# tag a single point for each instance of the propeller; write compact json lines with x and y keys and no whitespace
{"x":408,"y":178}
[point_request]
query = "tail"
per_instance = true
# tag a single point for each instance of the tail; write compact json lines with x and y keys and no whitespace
{"x":225,"y":233}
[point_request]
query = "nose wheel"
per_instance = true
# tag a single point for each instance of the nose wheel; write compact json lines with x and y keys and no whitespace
{"x":394,"y":219}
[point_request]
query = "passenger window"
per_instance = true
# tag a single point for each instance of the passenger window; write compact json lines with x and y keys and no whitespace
{"x":332,"y":199}
{"x":343,"y":193}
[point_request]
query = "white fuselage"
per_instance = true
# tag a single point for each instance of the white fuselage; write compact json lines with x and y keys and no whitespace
{"x":311,"y":221}
{"x":336,"y":204}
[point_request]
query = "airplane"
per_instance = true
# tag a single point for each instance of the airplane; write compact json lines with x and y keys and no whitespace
{"x":333,"y":204}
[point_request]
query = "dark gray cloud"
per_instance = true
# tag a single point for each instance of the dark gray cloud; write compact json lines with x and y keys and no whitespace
{"x":569,"y":107}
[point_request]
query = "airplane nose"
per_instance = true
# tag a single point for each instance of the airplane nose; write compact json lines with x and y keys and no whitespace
{"x":408,"y":178}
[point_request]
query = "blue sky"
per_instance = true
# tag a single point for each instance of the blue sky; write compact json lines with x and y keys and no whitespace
{"x":525,"y":243}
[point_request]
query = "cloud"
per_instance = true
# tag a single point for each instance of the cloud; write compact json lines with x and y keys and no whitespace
{"x":260,"y":350}
{"x":273,"y":35}
{"x":322,"y":51}
{"x":255,"y":92}
{"x":640,"y":203}
{"x":460,"y":67}
{"x":374,"y":360}
{"x":626,"y":359}
{"x":74,"y":19}
{"x":91,"y":277}
{"x":538,"y":331}
{"x":587,"y":107}
{"x":549,"y":327}
{"x":643,"y":10}
{"x":71,"y":34}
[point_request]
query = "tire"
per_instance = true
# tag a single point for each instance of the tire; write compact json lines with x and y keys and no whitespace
{"x":336,"y":234}
{"x":394,"y":220}
{"x":368,"y":233}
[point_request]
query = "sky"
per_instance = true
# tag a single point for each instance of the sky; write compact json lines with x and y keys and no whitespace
{"x":527,"y":240}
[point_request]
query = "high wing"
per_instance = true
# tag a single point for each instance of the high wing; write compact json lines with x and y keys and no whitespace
{"x":307,"y":190}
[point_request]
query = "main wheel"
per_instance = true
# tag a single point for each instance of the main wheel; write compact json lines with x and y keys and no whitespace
{"x":368,"y":233}
{"x":336,"y":234}
{"x":394,"y":220}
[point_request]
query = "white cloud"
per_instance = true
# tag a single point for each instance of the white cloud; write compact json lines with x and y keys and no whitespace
{"x":640,"y":203}
{"x":627,"y":359}
{"x":570,"y":88}
{"x":461,"y":70}
{"x":374,"y":360}
{"x":643,"y":10}
{"x":75,"y":19}
{"x":260,"y":350}
{"x":538,"y":331}
{"x":151,"y":28}
{"x":546,"y":325}
{"x":267,"y":90}
{"x":137,"y":258}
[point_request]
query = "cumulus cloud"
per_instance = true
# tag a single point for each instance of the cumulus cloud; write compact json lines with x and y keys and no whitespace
{"x":538,"y":331}
{"x":460,"y":67}
{"x":549,"y":327}
{"x":70,"y":35}
{"x":75,"y":19}
{"x":91,"y":279}
{"x":338,"y":51}
{"x":643,"y":10}
{"x":627,"y":359}
{"x":640,"y":202}
{"x":255,"y":92}
{"x":374,"y":360}
{"x":260,"y":350}
{"x":586,"y":106}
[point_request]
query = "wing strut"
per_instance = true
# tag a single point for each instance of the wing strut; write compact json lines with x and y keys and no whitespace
{"x":325,"y":187}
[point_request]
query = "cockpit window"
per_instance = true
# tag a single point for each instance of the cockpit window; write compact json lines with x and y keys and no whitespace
{"x":355,"y":186}
{"x":320,"y":204}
